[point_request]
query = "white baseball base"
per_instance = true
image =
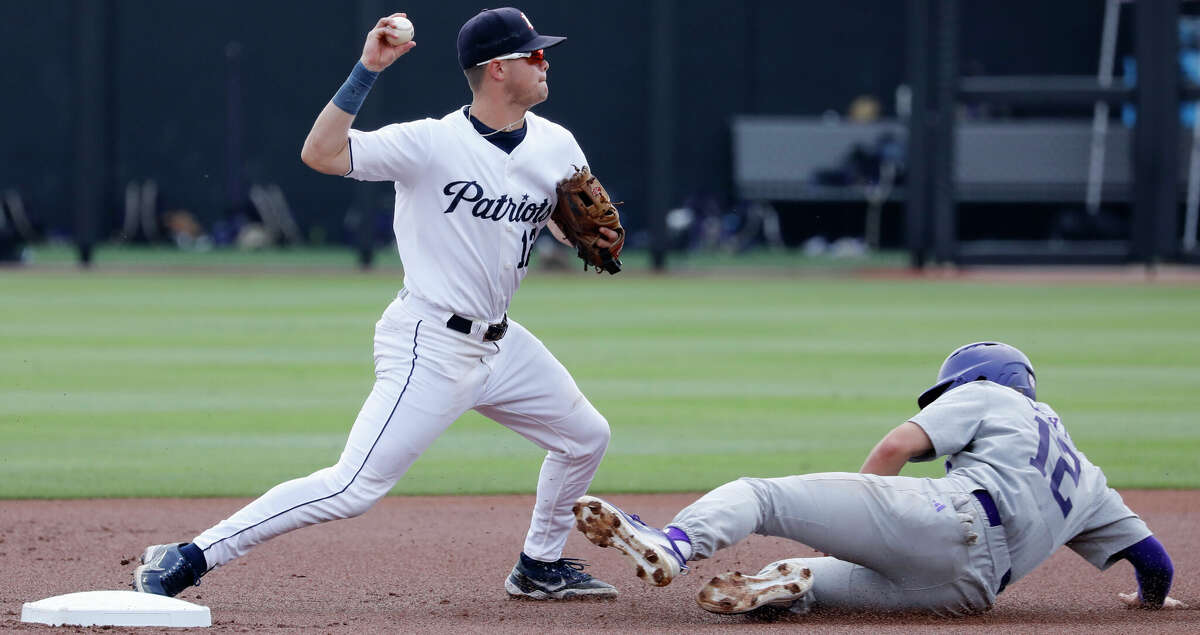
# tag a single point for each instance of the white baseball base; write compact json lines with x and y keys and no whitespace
{"x":115,"y":608}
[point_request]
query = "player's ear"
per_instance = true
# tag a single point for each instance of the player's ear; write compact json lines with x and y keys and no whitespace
{"x":496,"y":70}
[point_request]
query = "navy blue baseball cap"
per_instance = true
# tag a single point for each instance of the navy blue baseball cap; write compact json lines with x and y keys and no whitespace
{"x":496,"y":32}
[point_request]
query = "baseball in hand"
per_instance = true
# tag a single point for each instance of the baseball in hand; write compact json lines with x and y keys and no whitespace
{"x":400,"y":31}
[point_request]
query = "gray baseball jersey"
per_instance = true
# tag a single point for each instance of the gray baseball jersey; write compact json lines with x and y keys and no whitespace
{"x":1048,"y":493}
{"x":904,"y":543}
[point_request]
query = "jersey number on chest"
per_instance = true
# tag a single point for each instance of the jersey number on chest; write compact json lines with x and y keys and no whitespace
{"x":1061,"y":467}
{"x":527,"y":240}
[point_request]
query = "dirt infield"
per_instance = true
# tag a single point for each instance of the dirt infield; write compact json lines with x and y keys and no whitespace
{"x":437,"y":565}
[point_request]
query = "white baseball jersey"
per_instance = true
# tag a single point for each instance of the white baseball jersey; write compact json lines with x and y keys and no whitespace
{"x":1047,"y":492}
{"x":467,"y":213}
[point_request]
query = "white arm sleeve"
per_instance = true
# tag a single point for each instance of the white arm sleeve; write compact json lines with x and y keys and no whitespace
{"x":398,"y":152}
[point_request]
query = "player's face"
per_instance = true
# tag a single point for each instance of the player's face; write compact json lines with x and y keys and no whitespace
{"x":527,"y":81}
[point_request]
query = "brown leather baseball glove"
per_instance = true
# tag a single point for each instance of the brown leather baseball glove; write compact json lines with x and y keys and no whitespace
{"x":583,"y":208}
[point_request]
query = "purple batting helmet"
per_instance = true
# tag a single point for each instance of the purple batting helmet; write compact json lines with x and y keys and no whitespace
{"x":993,"y":361}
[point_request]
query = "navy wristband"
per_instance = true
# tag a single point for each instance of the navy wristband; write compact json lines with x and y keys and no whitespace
{"x":354,"y":90}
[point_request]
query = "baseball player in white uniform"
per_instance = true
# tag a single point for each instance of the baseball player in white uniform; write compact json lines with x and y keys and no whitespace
{"x":1016,"y":488}
{"x":474,"y":189}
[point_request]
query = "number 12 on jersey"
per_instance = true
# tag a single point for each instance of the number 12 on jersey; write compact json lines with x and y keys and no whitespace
{"x":527,"y":240}
{"x":1061,"y":467}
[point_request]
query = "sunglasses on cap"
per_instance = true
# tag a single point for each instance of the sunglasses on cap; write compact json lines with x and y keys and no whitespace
{"x":534,"y":57}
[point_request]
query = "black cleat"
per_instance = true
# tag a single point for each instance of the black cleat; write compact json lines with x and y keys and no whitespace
{"x":165,"y":571}
{"x":558,"y":580}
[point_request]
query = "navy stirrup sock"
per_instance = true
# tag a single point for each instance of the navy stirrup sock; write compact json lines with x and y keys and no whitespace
{"x":195,"y":557}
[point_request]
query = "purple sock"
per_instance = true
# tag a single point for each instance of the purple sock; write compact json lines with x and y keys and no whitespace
{"x":676,"y":534}
{"x":680,"y":542}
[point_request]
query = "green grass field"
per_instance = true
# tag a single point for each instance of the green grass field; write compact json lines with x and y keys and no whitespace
{"x":214,"y":383}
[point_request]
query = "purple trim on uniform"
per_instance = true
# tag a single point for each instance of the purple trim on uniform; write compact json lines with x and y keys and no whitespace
{"x":676,"y":535}
{"x":416,"y":332}
{"x":989,"y":506}
{"x":993,"y":517}
{"x":674,"y":550}
{"x":1153,"y":569}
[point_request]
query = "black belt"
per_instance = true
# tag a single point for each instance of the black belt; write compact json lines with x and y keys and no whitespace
{"x":463,"y":325}
{"x":993,"y":518}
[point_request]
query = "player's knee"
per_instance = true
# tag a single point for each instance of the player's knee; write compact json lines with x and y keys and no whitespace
{"x":587,"y":434}
{"x":758,"y":490}
{"x":354,"y":491}
{"x":596,"y":435}
{"x":355,"y":506}
{"x":361,"y":496}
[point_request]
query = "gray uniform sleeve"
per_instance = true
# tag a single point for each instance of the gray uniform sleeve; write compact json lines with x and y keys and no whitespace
{"x":1111,"y":528}
{"x":951,"y":422}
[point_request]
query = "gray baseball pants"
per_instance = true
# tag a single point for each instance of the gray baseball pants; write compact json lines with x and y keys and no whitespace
{"x":896,"y":543}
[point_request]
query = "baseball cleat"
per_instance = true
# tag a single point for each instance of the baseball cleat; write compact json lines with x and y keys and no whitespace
{"x":562,"y":579}
{"x":164,"y":571}
{"x":655,"y":556}
{"x":779,"y":583}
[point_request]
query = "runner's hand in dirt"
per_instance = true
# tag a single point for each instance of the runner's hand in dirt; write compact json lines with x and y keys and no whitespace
{"x":1132,"y":601}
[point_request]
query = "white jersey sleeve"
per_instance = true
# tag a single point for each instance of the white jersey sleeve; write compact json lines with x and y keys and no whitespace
{"x":466,"y":213}
{"x":398,"y":152}
{"x":579,"y":159}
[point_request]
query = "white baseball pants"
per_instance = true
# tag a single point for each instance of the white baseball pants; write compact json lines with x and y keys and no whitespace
{"x":428,"y":375}
{"x":897,"y":543}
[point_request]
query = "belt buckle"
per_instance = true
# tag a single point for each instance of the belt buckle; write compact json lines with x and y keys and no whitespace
{"x":496,"y":331}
